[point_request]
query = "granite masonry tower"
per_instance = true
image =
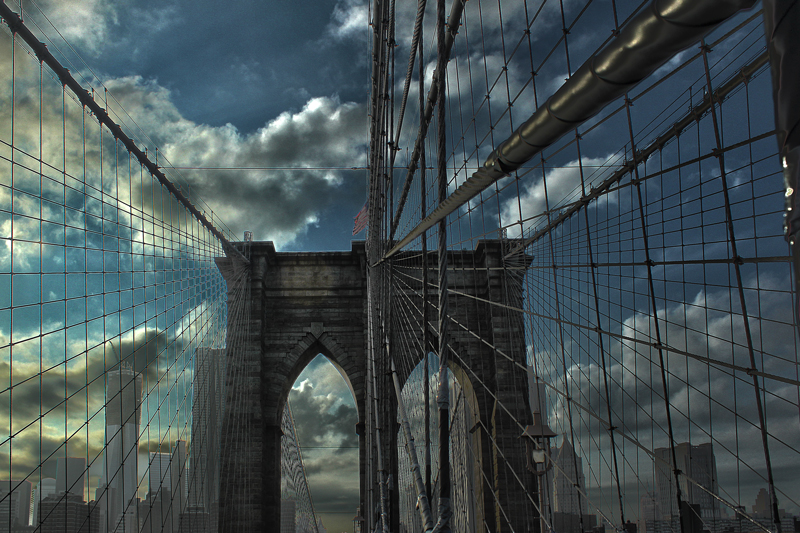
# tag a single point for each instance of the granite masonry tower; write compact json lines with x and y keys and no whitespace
{"x":304,"y":304}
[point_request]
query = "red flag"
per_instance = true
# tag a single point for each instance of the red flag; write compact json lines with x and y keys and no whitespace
{"x":361,"y":219}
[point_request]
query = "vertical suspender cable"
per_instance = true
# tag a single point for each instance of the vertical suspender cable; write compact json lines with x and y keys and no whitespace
{"x":443,"y":397}
{"x":425,"y":333}
{"x":381,"y":467}
{"x":662,"y":365}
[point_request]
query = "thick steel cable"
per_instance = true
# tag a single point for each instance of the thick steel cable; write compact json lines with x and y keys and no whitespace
{"x":16,"y":25}
{"x":743,"y":76}
{"x":639,"y":156}
{"x":382,"y":481}
{"x":453,"y":23}
{"x":619,"y":67}
{"x":415,"y":47}
{"x":424,"y":252}
{"x":443,"y":395}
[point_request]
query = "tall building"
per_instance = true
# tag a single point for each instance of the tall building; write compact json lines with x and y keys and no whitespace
{"x":567,"y":473}
{"x":71,"y":476}
{"x":763,"y":506}
{"x":45,"y":488}
{"x":158,"y":472}
{"x":65,"y":512}
{"x":177,"y":475}
{"x":15,"y":504}
{"x":208,"y":391}
{"x":161,"y":511}
{"x":698,"y":463}
{"x":649,"y":510}
{"x":116,"y":495}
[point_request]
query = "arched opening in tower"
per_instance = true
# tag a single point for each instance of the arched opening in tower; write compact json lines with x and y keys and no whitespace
{"x":465,"y":447}
{"x":324,"y":412}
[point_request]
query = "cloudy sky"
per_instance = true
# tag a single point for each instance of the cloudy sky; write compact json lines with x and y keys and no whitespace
{"x":282,"y":89}
{"x":277,"y":86}
{"x":247,"y":85}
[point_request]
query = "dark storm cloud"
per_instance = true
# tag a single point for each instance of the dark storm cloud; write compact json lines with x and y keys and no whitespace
{"x":155,"y":446}
{"x":78,"y":383}
{"x":30,"y":454}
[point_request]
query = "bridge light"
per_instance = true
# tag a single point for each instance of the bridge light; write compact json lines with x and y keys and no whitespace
{"x":537,"y":445}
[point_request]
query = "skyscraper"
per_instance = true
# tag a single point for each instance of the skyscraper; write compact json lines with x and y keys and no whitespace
{"x":71,"y":476}
{"x":208,"y":390}
{"x":66,"y":512}
{"x":118,"y":483}
{"x":177,"y":475}
{"x":567,"y":473}
{"x":698,"y":463}
{"x":159,"y":472}
{"x":15,"y":503}
{"x":167,"y":485}
{"x":45,"y":488}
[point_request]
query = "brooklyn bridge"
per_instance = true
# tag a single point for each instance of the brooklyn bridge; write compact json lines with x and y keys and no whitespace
{"x":569,"y":303}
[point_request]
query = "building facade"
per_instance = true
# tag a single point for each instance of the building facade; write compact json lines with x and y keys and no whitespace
{"x":116,"y":495}
{"x":15,"y":504}
{"x":698,"y":463}
{"x":567,"y":473}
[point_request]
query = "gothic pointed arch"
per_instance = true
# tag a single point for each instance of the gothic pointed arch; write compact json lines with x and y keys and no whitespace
{"x":318,"y":341}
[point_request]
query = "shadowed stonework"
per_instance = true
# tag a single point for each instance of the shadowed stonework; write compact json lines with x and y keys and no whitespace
{"x":304,"y":304}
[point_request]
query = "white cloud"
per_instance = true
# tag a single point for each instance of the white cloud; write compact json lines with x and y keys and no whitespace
{"x":276,"y":204}
{"x":563,"y":186}
{"x":707,"y":402}
{"x":350,"y":18}
{"x":85,"y":22}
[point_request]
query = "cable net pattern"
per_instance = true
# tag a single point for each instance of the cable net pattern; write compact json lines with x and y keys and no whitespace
{"x":640,"y":301}
{"x":114,"y":350}
{"x":297,"y":508}
{"x":603,"y":338}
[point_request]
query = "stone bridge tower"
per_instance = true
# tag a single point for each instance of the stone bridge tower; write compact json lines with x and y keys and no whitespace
{"x":304,"y":304}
